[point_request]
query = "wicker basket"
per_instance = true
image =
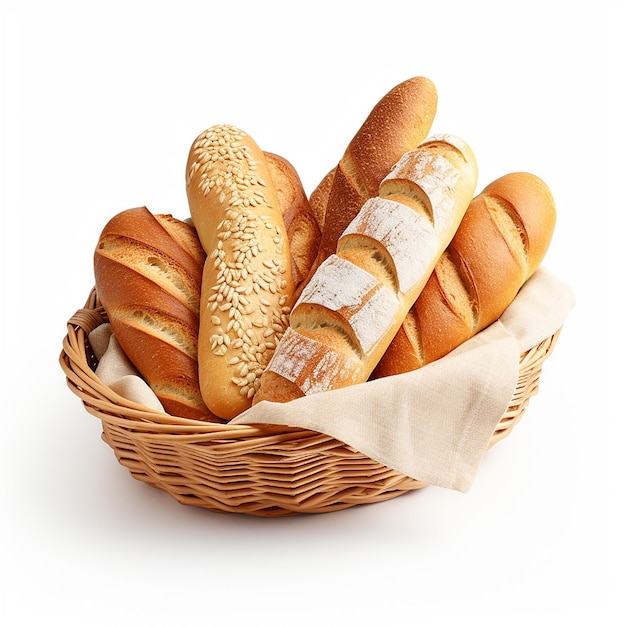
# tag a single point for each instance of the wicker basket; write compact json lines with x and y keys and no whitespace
{"x":266,"y":471}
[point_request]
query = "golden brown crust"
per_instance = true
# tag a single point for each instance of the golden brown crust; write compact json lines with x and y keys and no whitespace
{"x":319,"y":198}
{"x":500,"y":243}
{"x":185,"y":236}
{"x":247,"y":284}
{"x":149,"y":283}
{"x":397,"y":124}
{"x":302,"y":227}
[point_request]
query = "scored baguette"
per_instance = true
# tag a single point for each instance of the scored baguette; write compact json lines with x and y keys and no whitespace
{"x":398,"y":123}
{"x":357,"y":299}
{"x":247,"y":284}
{"x":500,"y":243}
{"x":303,"y":229}
{"x":148,"y":270}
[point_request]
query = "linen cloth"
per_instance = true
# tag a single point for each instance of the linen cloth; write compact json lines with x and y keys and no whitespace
{"x":434,"y":424}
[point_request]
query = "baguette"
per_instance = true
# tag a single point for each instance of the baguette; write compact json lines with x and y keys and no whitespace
{"x":398,"y":123}
{"x":352,"y":308}
{"x":303,"y":229}
{"x":247,"y":285}
{"x":319,"y":198}
{"x":148,"y":270}
{"x":500,"y":243}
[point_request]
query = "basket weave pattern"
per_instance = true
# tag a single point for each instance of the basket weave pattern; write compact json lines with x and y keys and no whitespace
{"x":266,"y":471}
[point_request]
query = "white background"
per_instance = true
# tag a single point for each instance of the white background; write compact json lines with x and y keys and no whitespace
{"x":101,"y":103}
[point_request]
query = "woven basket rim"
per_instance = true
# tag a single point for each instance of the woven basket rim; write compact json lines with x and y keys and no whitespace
{"x":263,"y":470}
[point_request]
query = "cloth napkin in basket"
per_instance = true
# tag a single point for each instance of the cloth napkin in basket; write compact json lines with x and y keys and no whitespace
{"x":433,"y":424}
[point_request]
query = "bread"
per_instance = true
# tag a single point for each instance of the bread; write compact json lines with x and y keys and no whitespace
{"x":319,"y":198}
{"x":397,"y":124}
{"x":353,"y":306}
{"x":303,"y":230}
{"x":247,"y":284}
{"x":128,"y":277}
{"x":500,"y":243}
{"x":148,"y":270}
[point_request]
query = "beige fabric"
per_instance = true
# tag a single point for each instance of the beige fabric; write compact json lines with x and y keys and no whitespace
{"x":433,"y":424}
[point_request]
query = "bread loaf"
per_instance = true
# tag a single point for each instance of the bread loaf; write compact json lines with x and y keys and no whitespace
{"x":247,"y":284}
{"x":397,"y":124}
{"x":319,"y":198}
{"x":148,"y":270}
{"x":355,"y":303}
{"x":303,"y":230}
{"x":500,"y":243}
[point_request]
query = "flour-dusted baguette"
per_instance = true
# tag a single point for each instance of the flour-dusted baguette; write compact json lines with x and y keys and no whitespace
{"x":247,"y":284}
{"x":500,"y":242}
{"x":148,"y":270}
{"x":353,"y":306}
{"x":303,"y":229}
{"x":397,"y":124}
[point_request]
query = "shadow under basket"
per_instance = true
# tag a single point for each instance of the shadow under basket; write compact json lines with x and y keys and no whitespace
{"x":268,"y":471}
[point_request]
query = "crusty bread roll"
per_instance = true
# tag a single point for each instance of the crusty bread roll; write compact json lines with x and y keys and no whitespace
{"x":500,"y":242}
{"x":353,"y":306}
{"x":397,"y":124}
{"x":247,"y":284}
{"x":303,"y":230}
{"x":148,"y":270}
